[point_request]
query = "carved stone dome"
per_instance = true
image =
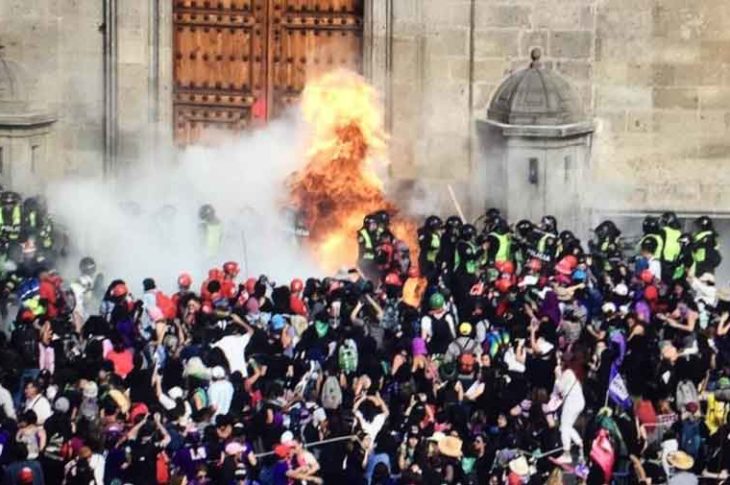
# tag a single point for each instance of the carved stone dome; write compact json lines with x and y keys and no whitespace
{"x":535,"y":96}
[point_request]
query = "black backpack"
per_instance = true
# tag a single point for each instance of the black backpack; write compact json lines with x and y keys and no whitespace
{"x":25,"y":340}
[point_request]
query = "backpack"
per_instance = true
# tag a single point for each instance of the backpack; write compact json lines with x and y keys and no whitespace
{"x":348,"y":357}
{"x":331,"y":393}
{"x":686,"y":393}
{"x":690,"y":439}
{"x":25,"y":339}
{"x":57,"y":448}
{"x":166,"y":305}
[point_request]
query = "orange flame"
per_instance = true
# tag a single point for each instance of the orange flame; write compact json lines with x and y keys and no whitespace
{"x":339,"y":186}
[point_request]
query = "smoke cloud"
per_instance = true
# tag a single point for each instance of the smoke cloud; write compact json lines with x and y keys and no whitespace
{"x":144,"y":222}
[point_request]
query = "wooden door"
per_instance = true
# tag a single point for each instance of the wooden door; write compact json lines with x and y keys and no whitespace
{"x":238,"y":63}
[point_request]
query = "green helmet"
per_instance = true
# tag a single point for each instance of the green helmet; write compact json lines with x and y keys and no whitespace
{"x":436,"y":302}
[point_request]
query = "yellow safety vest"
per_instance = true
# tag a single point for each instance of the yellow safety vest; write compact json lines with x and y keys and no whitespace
{"x":433,"y":251}
{"x":213,"y":237}
{"x":504,"y":253}
{"x":672,"y":248}
{"x":471,"y":265}
{"x":368,"y":253}
{"x":700,"y":254}
{"x":12,"y":229}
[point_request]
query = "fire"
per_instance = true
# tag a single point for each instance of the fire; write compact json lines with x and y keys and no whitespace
{"x":339,"y":186}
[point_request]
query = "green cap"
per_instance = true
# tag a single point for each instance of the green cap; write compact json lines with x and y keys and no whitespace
{"x":436,"y":302}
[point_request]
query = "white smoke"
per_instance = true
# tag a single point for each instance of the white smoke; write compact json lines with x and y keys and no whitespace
{"x":242,"y":177}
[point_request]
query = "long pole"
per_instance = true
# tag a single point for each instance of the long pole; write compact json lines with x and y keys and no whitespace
{"x":314,"y":443}
{"x":456,"y":203}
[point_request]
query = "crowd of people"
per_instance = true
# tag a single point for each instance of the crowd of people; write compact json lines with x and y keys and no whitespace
{"x":500,"y":354}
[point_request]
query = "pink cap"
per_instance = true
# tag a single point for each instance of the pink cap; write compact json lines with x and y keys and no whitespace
{"x":418,"y":347}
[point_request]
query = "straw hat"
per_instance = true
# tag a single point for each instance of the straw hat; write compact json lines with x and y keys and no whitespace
{"x":450,"y":446}
{"x":437,"y":437}
{"x":680,"y":460}
{"x":723,"y":294}
{"x":519,"y":466}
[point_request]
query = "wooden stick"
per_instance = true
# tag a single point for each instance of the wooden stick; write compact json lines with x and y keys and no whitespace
{"x":456,"y":203}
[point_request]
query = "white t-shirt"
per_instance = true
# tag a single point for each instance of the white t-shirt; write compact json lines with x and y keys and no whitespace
{"x":220,"y":394}
{"x":6,"y":402}
{"x":234,"y":348}
{"x":41,"y":407}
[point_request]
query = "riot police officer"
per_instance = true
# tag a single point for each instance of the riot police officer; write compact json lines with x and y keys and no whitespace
{"x":11,"y":217}
{"x":449,"y":239}
{"x":651,"y":229}
{"x":38,"y":222}
{"x":499,"y":242}
{"x":704,"y":246}
{"x":671,"y":245}
{"x":211,"y":230}
{"x":366,"y":241}
{"x":429,"y":242}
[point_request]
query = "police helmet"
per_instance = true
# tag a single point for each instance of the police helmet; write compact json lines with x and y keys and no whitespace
{"x":499,"y":224}
{"x":566,"y":237}
{"x":524,"y":227}
{"x":368,"y":219}
{"x":454,"y":222}
{"x":685,"y":239}
{"x":206,"y":212}
{"x":87,"y":266}
{"x":704,"y":223}
{"x":382,"y":217}
{"x":468,"y":232}
{"x":434,"y":223}
{"x":549,"y":224}
{"x":670,"y":219}
{"x":650,"y":225}
{"x":30,"y":204}
{"x":9,"y":197}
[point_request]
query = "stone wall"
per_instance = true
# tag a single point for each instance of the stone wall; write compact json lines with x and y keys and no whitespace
{"x":60,"y":44}
{"x":653,"y":73}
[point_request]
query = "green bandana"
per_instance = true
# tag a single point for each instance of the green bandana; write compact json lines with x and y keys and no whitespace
{"x":321,"y":328}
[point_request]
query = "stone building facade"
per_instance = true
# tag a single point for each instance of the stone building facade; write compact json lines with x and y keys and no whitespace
{"x":654,"y":75}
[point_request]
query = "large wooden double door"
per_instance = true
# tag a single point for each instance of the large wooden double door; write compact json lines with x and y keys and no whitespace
{"x":239,"y":63}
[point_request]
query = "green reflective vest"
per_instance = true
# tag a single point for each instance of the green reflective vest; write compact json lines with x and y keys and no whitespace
{"x":213,"y":237}
{"x":543,"y":242}
{"x":700,"y":253}
{"x":369,"y":252}
{"x":433,"y":250}
{"x":672,"y":248}
{"x":504,"y":252}
{"x":11,"y":228}
{"x":659,"y":244}
{"x":471,"y":264}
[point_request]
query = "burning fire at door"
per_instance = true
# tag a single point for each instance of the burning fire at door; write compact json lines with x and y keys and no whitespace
{"x":339,"y":186}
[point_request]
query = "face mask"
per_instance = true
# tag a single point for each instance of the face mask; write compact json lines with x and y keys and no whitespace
{"x":321,"y":328}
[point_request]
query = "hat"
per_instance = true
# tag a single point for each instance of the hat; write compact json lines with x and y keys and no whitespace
{"x":277,"y":323}
{"x":465,"y":329}
{"x":196,"y":368}
{"x":25,"y":475}
{"x":723,"y":383}
{"x":252,"y":305}
{"x":282,"y":451}
{"x":85,"y":452}
{"x":621,"y":289}
{"x":62,"y":405}
{"x":148,"y":284}
{"x":175,"y":392}
{"x":418,"y":347}
{"x":609,"y":308}
{"x":723,"y":294}
{"x":138,"y":409}
{"x":120,"y":399}
{"x":651,"y":293}
{"x":680,"y":460}
{"x":91,"y":390}
{"x":437,"y":437}
{"x":286,"y":438}
{"x":450,"y":446}
{"x":218,"y":373}
{"x":519,"y":466}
